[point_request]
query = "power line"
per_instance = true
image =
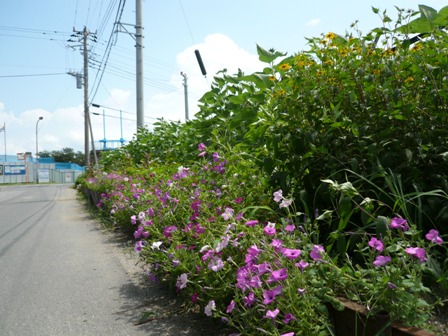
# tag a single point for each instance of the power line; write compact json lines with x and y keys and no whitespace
{"x":33,"y":75}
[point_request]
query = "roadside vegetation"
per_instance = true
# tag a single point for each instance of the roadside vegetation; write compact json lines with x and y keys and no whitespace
{"x":322,"y":176}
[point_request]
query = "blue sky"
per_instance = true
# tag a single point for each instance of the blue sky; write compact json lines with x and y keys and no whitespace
{"x":35,"y":57}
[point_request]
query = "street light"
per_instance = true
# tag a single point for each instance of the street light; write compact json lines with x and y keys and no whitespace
{"x":37,"y":150}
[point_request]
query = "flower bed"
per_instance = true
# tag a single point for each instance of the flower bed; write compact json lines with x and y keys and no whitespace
{"x":210,"y":232}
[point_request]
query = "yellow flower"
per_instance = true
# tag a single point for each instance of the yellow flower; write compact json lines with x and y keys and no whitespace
{"x":272,"y":78}
{"x":301,"y":64}
{"x":417,"y":47}
{"x":409,"y":79}
{"x":329,"y":62}
{"x":284,"y":66}
{"x":330,"y":36}
{"x":320,"y":73}
{"x":343,"y":52}
{"x":376,"y":72}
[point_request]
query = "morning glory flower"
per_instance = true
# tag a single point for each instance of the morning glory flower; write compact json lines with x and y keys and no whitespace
{"x":201,"y":147}
{"x":216,"y":264}
{"x":291,"y":253}
{"x":182,"y":281}
{"x":316,"y":253}
{"x":417,"y":252}
{"x":209,"y":308}
{"x":277,"y":275}
{"x":278,"y":196}
{"x":381,"y":261}
{"x":138,"y":246}
{"x":288,"y":318}
{"x":230,"y":307}
{"x":302,"y":264}
{"x":272,"y":314}
{"x":433,"y":237}
{"x":228,"y":213}
{"x":376,"y":244}
{"x":156,"y":245}
{"x":399,"y":223}
{"x":252,"y":222}
{"x":249,"y":300}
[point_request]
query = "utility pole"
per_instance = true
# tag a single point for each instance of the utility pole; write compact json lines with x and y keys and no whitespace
{"x":186,"y":94}
{"x":139,"y":61}
{"x":85,"y":34}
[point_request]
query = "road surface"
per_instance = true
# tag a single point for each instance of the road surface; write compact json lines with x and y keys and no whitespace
{"x":62,"y":274}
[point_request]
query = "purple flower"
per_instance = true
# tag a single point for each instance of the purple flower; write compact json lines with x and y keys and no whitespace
{"x":252,"y":222}
{"x":417,"y":252}
{"x":399,"y":223}
{"x":277,"y":275}
{"x":272,"y":314}
{"x":134,"y":219}
{"x":316,"y":253}
{"x":269,"y":230}
{"x":291,"y":253}
{"x":138,"y":246}
{"x":433,"y":237}
{"x":201,"y":147}
{"x":302,"y":264}
{"x":290,"y":227}
{"x":288,"y":318}
{"x":249,"y":300}
{"x":270,"y":294}
{"x":381,"y":261}
{"x":292,"y":333}
{"x":230,"y":307}
{"x":215,"y":157}
{"x":376,"y":244}
{"x":168,"y":230}
{"x":263,"y":268}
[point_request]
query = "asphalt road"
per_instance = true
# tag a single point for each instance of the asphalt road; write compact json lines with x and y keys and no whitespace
{"x":62,"y":274}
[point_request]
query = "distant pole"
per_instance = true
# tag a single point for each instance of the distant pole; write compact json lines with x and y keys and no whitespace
{"x":186,"y":94}
{"x":121,"y":128}
{"x":4,"y":134}
{"x":104,"y":129}
{"x":37,"y":150}
{"x":86,"y":99}
{"x":139,"y":60}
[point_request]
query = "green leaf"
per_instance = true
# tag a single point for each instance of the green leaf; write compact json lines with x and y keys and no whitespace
{"x":268,"y":56}
{"x":375,"y":10}
{"x":382,"y":225}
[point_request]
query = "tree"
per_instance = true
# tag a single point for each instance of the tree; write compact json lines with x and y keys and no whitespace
{"x":66,"y":154}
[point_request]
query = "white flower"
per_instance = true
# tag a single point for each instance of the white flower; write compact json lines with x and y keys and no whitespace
{"x":156,"y":245}
{"x":204,"y":248}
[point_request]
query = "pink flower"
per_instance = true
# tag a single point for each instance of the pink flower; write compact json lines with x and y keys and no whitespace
{"x":290,"y":227}
{"x":201,"y":147}
{"x":399,"y":223}
{"x":208,"y":310}
{"x":269,"y":231}
{"x":316,"y":252}
{"x":381,"y":261}
{"x":269,"y":295}
{"x":433,"y":237}
{"x":291,"y":253}
{"x":376,"y":244}
{"x":278,"y":196}
{"x":272,"y":314}
{"x":249,"y":299}
{"x":168,"y":230}
{"x":278,"y":275}
{"x":228,"y":213}
{"x":302,"y":264}
{"x":285,"y":203}
{"x":252,"y":222}
{"x":230,"y":307}
{"x":417,"y":252}
{"x":289,"y":333}
{"x":289,"y":317}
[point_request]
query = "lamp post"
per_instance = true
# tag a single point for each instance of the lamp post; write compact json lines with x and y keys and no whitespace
{"x":37,"y":150}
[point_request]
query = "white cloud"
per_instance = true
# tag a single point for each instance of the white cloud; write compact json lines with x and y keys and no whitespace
{"x":313,"y":22}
